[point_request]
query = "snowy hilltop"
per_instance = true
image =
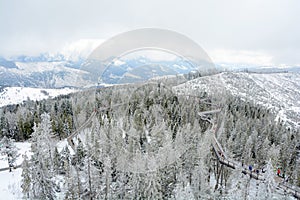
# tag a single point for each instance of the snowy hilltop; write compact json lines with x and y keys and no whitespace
{"x":279,"y":92}
{"x":18,"y":95}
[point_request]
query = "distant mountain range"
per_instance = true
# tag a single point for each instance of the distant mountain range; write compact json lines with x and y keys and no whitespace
{"x":49,"y":71}
{"x":143,"y":68}
{"x":70,"y":68}
{"x":40,"y":72}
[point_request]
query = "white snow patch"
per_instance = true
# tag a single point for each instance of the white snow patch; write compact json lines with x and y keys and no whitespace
{"x":118,"y":62}
{"x":10,"y":182}
{"x":15,"y":95}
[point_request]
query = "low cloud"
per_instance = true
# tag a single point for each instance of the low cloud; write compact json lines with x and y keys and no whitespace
{"x":241,"y":57}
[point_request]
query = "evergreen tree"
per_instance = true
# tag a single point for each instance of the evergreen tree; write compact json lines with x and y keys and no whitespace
{"x":4,"y":126}
{"x":57,"y":163}
{"x":268,"y":192}
{"x":183,"y":192}
{"x":152,"y":188}
{"x":65,"y":160}
{"x":26,"y":178}
{"x":238,"y":187}
{"x":42,"y":160}
{"x":107,"y":176}
{"x":9,"y":149}
{"x":72,"y":187}
{"x":80,"y":154}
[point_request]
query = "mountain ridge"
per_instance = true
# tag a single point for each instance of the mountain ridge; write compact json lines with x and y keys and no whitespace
{"x":279,"y":92}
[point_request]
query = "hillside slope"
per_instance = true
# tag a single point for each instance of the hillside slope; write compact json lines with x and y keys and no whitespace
{"x":15,"y":95}
{"x":277,"y":91}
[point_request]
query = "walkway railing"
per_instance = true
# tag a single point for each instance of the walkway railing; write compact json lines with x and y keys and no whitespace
{"x":222,"y":158}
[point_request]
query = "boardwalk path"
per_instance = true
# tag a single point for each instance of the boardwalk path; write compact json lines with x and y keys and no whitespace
{"x":221,"y":155}
{"x":223,"y":159}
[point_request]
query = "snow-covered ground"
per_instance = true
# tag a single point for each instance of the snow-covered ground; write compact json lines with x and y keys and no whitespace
{"x":15,"y":95}
{"x":62,"y":144}
{"x":10,"y":182}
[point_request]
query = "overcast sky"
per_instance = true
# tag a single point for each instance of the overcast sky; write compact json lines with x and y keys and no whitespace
{"x":263,"y":32}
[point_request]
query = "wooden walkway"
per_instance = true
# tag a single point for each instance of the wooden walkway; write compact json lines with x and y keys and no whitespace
{"x":217,"y":148}
{"x":7,"y":168}
{"x":71,"y":137}
{"x":222,"y":158}
{"x":87,"y":123}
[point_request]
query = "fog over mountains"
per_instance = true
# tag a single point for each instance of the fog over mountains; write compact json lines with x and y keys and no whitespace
{"x":65,"y":68}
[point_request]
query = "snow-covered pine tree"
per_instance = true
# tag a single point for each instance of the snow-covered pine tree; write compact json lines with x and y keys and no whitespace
{"x":41,"y":168}
{"x":72,"y":184}
{"x":238,"y":186}
{"x":80,"y":154}
{"x":152,"y":187}
{"x":26,"y":178}
{"x":9,"y":149}
{"x":107,"y":174}
{"x":183,"y":192}
{"x":3,"y":126}
{"x":65,"y":160}
{"x":267,"y":192}
{"x":56,"y":161}
{"x":66,"y":129}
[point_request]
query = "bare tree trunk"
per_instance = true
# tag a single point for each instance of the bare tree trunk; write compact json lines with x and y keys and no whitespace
{"x":78,"y":181}
{"x":90,"y":179}
{"x":218,"y":176}
{"x":247,"y":189}
{"x":107,"y":186}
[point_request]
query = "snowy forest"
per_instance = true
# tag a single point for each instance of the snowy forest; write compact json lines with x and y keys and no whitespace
{"x":147,"y":141}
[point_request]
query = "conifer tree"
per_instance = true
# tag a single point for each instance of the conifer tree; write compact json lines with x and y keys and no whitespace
{"x":9,"y":149}
{"x":26,"y":178}
{"x":57,"y":164}
{"x":42,"y":160}
{"x":65,"y":160}
{"x":267,"y":192}
{"x":152,"y":187}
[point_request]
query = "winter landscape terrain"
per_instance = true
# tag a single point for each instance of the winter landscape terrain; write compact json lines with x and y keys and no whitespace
{"x":179,"y":136}
{"x":89,"y":138}
{"x":172,"y":100}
